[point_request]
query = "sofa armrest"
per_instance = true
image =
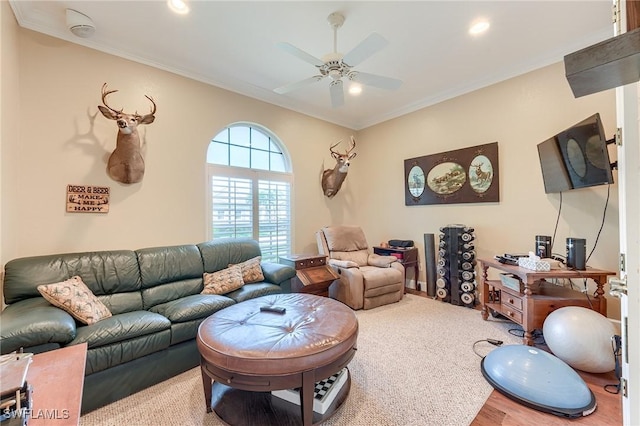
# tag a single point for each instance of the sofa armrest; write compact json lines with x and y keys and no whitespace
{"x":276,"y":273}
{"x":343,"y":263}
{"x":349,"y":289}
{"x":33,"y":322}
{"x":398,"y":266}
{"x":381,"y":261}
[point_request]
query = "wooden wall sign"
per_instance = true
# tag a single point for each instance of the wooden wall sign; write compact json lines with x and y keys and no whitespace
{"x":88,"y":199}
{"x":468,"y":175}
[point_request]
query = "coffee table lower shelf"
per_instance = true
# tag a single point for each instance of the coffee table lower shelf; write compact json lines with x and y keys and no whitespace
{"x":240,"y":407}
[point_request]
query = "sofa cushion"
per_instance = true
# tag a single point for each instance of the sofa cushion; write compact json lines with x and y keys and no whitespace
{"x":74,"y":297}
{"x":183,"y":331}
{"x":169,"y":273}
{"x":218,"y":254}
{"x":251,"y":270}
{"x":121,"y":327}
{"x":345,"y":238}
{"x":118,"y":353}
{"x":375,"y":277}
{"x":104,"y":272}
{"x":224,"y":281}
{"x":192,"y":307}
{"x":34,"y":322}
{"x":122,"y":302}
{"x":161,"y":265}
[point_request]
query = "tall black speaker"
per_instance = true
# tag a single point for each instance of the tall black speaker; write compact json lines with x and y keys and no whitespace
{"x":576,"y":253}
{"x":456,"y":266}
{"x":430,"y":262}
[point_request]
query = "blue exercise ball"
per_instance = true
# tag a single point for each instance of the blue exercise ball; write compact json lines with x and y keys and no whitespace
{"x":581,"y":337}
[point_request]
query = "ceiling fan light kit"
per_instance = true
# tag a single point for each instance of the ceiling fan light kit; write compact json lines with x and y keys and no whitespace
{"x":338,"y":66}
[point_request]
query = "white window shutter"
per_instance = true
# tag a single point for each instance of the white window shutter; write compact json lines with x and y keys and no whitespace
{"x":274,"y":219}
{"x":232,"y":207}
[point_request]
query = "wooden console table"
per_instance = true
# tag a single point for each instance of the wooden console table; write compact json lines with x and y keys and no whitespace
{"x":537,"y":297}
{"x":57,"y":378}
{"x":313,"y":275}
{"x":409,"y":259}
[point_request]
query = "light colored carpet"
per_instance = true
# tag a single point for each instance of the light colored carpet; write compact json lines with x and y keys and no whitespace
{"x":415,"y":365}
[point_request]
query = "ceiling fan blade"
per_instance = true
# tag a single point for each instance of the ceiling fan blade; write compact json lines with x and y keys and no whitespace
{"x":337,"y":94}
{"x":367,"y":47}
{"x":297,"y":85}
{"x":290,"y":48}
{"x":375,"y":80}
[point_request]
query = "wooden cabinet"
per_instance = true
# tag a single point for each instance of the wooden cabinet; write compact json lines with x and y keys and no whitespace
{"x":313,"y":275}
{"x":407,"y":256}
{"x":538,"y":295}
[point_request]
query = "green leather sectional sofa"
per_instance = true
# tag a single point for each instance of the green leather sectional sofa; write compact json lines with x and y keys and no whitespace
{"x":154,"y":296}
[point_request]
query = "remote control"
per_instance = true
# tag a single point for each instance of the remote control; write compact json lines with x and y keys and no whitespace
{"x":275,"y":309}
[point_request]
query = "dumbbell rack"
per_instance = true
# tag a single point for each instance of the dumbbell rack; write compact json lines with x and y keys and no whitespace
{"x":456,"y":270}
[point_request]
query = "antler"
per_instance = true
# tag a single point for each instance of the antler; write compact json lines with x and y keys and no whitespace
{"x":106,"y":93}
{"x":333,"y":146}
{"x":352,"y":145}
{"x":153,"y":108}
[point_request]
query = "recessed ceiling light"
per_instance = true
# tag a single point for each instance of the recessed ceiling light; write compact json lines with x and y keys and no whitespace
{"x":178,"y":6}
{"x":355,"y":89}
{"x":479,"y":27}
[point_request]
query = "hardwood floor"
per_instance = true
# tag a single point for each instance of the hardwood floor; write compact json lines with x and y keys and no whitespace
{"x":500,"y":410}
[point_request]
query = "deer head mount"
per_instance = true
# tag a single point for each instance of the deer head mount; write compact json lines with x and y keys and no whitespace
{"x":126,"y":164}
{"x":332,"y":178}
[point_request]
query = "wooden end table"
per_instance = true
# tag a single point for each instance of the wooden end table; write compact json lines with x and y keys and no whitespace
{"x":57,"y":378}
{"x":409,"y":260}
{"x":313,"y":275}
{"x":530,"y":305}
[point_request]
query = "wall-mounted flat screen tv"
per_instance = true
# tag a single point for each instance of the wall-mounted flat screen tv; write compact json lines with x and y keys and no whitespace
{"x":576,"y":157}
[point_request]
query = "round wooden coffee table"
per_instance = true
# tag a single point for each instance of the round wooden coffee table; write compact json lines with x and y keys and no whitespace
{"x":245,"y":353}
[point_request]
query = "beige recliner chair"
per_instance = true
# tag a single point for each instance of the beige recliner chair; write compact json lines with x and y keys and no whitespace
{"x":367,"y":280}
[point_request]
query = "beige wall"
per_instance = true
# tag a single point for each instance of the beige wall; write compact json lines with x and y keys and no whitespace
{"x":518,"y":114}
{"x":60,"y":139}
{"x":64,"y":140}
{"x":9,"y":111}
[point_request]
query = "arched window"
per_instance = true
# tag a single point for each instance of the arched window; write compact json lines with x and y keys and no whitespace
{"x":249,"y":188}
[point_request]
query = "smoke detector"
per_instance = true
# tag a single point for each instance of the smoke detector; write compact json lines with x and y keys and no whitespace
{"x":80,"y":24}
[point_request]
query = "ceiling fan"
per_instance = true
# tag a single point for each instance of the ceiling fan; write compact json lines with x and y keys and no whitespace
{"x":338,"y":66}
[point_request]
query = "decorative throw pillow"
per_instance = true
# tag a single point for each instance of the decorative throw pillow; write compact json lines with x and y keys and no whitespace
{"x":251,"y":270}
{"x":74,"y":297}
{"x":224,"y":281}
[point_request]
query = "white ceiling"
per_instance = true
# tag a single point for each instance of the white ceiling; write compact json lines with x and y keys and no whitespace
{"x":233,"y":44}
